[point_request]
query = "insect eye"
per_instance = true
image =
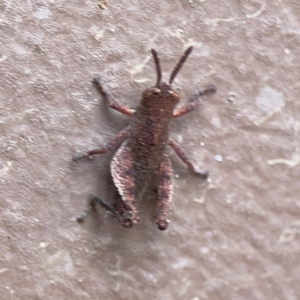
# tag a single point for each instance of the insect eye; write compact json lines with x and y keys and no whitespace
{"x":173,"y":95}
{"x":156,"y":92}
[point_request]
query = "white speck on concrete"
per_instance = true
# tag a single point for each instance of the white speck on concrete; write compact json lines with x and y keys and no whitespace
{"x":199,"y":200}
{"x":269,"y":99}
{"x":202,"y":51}
{"x":43,"y":245}
{"x":216,"y":122}
{"x":41,"y":13}
{"x":218,"y":158}
{"x":3,"y":58}
{"x":289,"y":162}
{"x":204,"y":250}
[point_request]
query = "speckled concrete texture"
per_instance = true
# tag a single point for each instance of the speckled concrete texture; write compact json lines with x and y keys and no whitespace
{"x":234,"y":237}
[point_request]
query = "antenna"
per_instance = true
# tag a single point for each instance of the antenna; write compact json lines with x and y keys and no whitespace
{"x":157,"y":66}
{"x":180,"y":64}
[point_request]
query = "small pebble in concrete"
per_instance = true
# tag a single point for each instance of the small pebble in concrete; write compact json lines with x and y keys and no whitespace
{"x":218,"y":158}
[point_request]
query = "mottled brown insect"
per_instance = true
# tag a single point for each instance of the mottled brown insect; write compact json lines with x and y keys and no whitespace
{"x":142,"y":153}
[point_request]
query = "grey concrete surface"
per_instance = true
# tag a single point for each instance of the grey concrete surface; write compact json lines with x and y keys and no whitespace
{"x":236,"y":236}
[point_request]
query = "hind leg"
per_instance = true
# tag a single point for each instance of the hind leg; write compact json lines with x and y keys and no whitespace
{"x":109,"y":146}
{"x":125,"y":210}
{"x":124,"y":180}
{"x":164,"y":193}
{"x":95,"y":201}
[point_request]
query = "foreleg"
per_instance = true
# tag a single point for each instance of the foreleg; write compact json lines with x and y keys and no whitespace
{"x":110,"y":102}
{"x":207,"y":91}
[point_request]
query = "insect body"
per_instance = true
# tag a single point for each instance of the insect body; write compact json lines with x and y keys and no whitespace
{"x":142,"y":153}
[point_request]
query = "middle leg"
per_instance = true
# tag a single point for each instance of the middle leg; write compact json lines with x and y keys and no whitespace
{"x":182,"y":155}
{"x":110,"y":145}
